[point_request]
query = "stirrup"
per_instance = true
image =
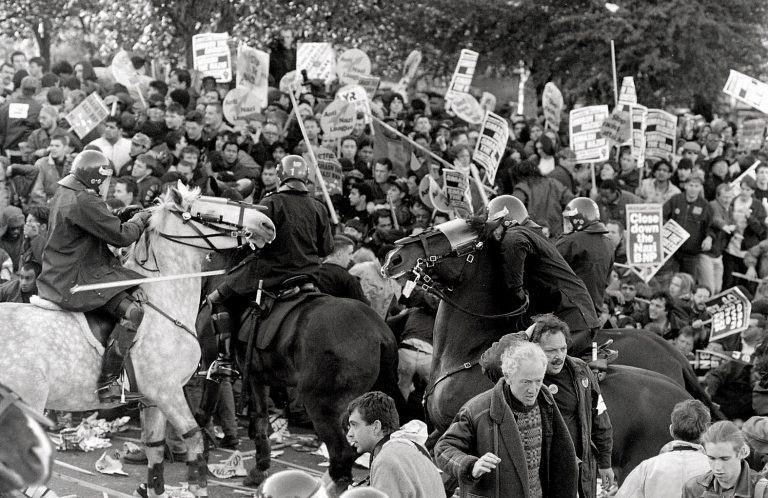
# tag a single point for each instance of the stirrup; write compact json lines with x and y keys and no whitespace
{"x":113,"y":391}
{"x":222,"y":367}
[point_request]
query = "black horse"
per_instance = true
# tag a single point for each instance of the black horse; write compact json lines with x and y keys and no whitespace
{"x":455,"y":262}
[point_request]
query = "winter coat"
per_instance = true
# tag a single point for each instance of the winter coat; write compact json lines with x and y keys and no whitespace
{"x":590,"y":254}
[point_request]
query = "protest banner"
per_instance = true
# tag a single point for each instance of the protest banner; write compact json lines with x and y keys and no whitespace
{"x":644,"y":234}
{"x":358,"y":96}
{"x":730,"y":312}
{"x":318,"y":59}
{"x":627,"y":94}
{"x":369,"y":83}
{"x":616,"y":126}
{"x":748,"y":90}
{"x":424,"y":186}
{"x":437,"y":197}
{"x":736,"y":184}
{"x":467,"y":108}
{"x":338,"y":119}
{"x":329,"y":167}
{"x":586,"y":141}
{"x":253,"y":71}
{"x":290,"y":82}
{"x":456,"y":189}
{"x":87,"y":116}
{"x":637,"y":115}
{"x":552,"y":102}
{"x":462,"y":76}
{"x":752,"y":134}
{"x":123,"y":71}
{"x":491,"y":144}
{"x":673,"y":237}
{"x":395,"y":147}
{"x":212,"y":57}
{"x":488,"y":101}
{"x":240,"y":105}
{"x":351,"y":63}
{"x":660,"y":133}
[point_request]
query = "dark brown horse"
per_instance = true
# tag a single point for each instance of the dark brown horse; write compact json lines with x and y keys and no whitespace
{"x":455,"y":262}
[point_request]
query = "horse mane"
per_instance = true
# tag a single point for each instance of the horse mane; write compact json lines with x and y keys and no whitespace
{"x":179,"y":198}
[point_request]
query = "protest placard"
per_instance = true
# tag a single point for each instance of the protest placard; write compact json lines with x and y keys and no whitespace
{"x":391,"y":145}
{"x":369,"y":83}
{"x":410,"y":66}
{"x":437,"y":197}
{"x":240,"y":105}
{"x":752,"y":92}
{"x":616,"y":126}
{"x":673,"y":237}
{"x":351,"y":63}
{"x":552,"y":102}
{"x":318,"y":59}
{"x":462,"y":76}
{"x":358,"y":96}
{"x":637,"y":114}
{"x":491,"y":144}
{"x":338,"y":119}
{"x":644,"y":234}
{"x":467,"y":108}
{"x":752,"y":134}
{"x":212,"y":57}
{"x":290,"y":82}
{"x":586,"y":141}
{"x":87,"y":116}
{"x":660,"y":133}
{"x":123,"y":72}
{"x":488,"y":101}
{"x":627,"y":94}
{"x":329,"y":168}
{"x":253,"y":71}
{"x":456,"y":189}
{"x":736,"y":184}
{"x":730,"y":312}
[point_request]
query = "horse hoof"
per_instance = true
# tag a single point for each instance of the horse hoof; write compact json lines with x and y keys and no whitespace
{"x":254,"y":478}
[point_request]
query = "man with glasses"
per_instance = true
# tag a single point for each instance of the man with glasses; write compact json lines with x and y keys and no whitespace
{"x":659,"y":189}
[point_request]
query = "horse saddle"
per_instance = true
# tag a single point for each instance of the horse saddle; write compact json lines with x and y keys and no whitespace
{"x":101,"y":326}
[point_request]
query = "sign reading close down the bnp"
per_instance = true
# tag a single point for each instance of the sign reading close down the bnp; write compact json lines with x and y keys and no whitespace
{"x":644,"y":225}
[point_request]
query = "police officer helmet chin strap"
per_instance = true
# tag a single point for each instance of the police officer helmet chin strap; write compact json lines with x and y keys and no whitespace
{"x":293,"y":185}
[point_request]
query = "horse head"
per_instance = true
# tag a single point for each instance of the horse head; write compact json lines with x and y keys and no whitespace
{"x":26,"y":453}
{"x":438,"y":252}
{"x":182,"y":215}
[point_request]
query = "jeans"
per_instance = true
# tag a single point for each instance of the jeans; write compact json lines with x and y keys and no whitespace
{"x":413,"y":363}
{"x":710,"y":272}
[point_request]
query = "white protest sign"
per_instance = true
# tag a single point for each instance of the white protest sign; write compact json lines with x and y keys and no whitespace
{"x":673,"y":237}
{"x":240,"y":105}
{"x":212,"y":57}
{"x":369,"y":83}
{"x":87,"y":115}
{"x":456,"y":189}
{"x":616,"y":127}
{"x":253,"y":71}
{"x":638,"y":114}
{"x":752,"y":92}
{"x":491,"y":144}
{"x":123,"y":71}
{"x":462,"y":76}
{"x":643,"y":235}
{"x":437,"y":197}
{"x":338,"y":119}
{"x":586,"y":140}
{"x":351,"y":63}
{"x":660,"y":134}
{"x":752,"y":134}
{"x":627,"y":94}
{"x":357,"y":95}
{"x":318,"y":59}
{"x":488,"y":101}
{"x":467,"y":108}
{"x":290,"y":82}
{"x":552,"y":102}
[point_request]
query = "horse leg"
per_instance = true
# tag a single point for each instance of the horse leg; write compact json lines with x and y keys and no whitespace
{"x":258,"y":431}
{"x":153,"y":427}
{"x":326,"y":418}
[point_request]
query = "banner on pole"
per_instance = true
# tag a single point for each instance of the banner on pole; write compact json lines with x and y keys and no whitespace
{"x":467,"y":108}
{"x":330,"y":169}
{"x":752,"y":134}
{"x":491,"y":144}
{"x":338,"y":119}
{"x":437,"y":197}
{"x":212,"y":57}
{"x":357,"y":95}
{"x":730,"y":312}
{"x":456,"y":189}
{"x":748,"y":90}
{"x":87,"y":115}
{"x":241,"y":104}
{"x":644,"y":234}
{"x":673,"y":237}
{"x":350,"y":64}
{"x":369,"y":83}
{"x":488,"y":101}
{"x":462,"y":76}
{"x":552,"y":102}
{"x":660,"y":134}
{"x":586,"y":140}
{"x":638,"y":114}
{"x":318,"y":59}
{"x":627,"y":94}
{"x":253,"y":71}
{"x":617,"y":127}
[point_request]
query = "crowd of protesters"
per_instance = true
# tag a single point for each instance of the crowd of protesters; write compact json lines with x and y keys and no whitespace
{"x":178,"y":132}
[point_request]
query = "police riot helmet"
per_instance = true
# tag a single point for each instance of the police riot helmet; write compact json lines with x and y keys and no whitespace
{"x":507,"y":208}
{"x":363,"y":492}
{"x":581,"y":212}
{"x":90,"y":168}
{"x":292,"y":167}
{"x":291,"y":484}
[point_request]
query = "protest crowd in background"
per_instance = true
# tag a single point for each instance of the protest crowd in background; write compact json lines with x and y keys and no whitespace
{"x":683,"y":194}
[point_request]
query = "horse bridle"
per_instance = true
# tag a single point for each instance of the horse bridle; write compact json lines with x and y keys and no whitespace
{"x":229,"y":229}
{"x":10,"y":398}
{"x":431,"y":286}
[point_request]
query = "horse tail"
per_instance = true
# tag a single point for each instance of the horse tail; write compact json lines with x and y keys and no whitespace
{"x":386,"y":382}
{"x":694,"y":388}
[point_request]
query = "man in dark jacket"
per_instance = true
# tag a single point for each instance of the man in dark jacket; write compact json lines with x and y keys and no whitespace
{"x":532,"y":266}
{"x":80,"y":228}
{"x":22,"y":288}
{"x":18,"y":117}
{"x":694,"y":214}
{"x":511,"y":440}
{"x":333,"y":277}
{"x":586,"y":247}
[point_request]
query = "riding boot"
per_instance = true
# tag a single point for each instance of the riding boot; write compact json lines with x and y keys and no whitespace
{"x":109,"y":386}
{"x":223,"y":326}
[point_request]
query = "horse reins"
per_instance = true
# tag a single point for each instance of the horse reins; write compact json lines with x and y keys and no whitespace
{"x":211,"y":222}
{"x":10,"y":398}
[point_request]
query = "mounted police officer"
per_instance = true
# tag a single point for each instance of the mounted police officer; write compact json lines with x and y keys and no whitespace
{"x":533,"y":268}
{"x":303,"y":238}
{"x":76,"y":253}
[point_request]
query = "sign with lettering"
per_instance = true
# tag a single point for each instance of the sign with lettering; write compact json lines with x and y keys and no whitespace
{"x":752,"y":134}
{"x":752,"y":92}
{"x":638,"y":114}
{"x":329,"y":168}
{"x":253,"y":71}
{"x":241,"y":104}
{"x":87,"y":115}
{"x":318,"y":59}
{"x":730,"y":312}
{"x":462,"y":76}
{"x":672,"y":238}
{"x":587,"y":142}
{"x":212,"y":57}
{"x":660,"y":134}
{"x":351,"y":63}
{"x":644,"y":226}
{"x":358,"y":96}
{"x":456,"y":189}
{"x":467,"y":108}
{"x":552,"y":102}
{"x":616,"y":127}
{"x":338,"y":119}
{"x":491,"y":144}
